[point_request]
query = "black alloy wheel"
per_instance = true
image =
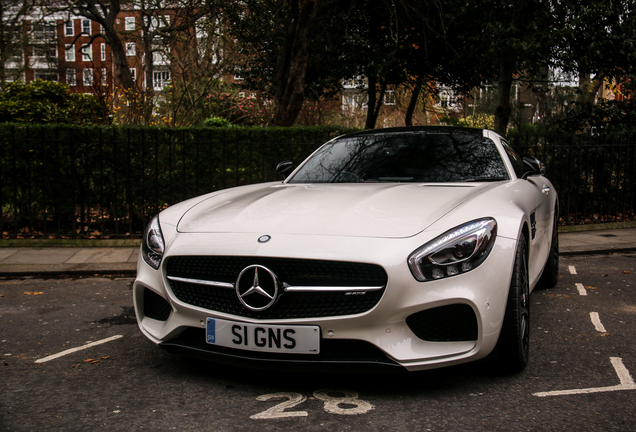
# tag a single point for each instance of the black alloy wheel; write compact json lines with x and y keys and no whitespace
{"x":550,"y":275}
{"x":513,"y":348}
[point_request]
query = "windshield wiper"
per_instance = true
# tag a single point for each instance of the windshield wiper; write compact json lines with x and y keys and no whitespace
{"x":389,"y":179}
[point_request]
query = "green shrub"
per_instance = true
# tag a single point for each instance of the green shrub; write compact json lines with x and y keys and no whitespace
{"x":48,"y":102}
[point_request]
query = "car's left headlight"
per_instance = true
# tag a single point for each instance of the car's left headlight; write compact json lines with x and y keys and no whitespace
{"x":152,"y":247}
{"x":455,"y":252}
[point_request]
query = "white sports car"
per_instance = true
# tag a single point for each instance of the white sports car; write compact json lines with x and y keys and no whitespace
{"x":405,"y":248}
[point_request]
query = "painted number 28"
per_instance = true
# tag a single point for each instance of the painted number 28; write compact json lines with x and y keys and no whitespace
{"x":349,"y":404}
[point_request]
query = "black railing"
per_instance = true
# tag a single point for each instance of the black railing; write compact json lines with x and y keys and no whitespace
{"x":96,"y":182}
{"x":594,"y":175}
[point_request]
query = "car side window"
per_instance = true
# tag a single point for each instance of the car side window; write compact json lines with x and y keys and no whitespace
{"x":515,"y":159}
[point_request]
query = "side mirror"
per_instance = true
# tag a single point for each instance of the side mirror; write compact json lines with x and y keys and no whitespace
{"x":284,"y":168}
{"x":532,"y":166}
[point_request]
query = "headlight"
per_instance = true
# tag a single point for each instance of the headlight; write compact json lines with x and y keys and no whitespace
{"x":455,"y":252}
{"x":153,"y":246}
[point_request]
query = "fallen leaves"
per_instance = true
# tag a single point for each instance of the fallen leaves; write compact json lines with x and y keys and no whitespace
{"x":32,"y":293}
{"x":91,"y":361}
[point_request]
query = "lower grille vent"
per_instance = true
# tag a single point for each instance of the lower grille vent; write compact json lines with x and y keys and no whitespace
{"x":155,"y":306}
{"x":453,"y":323}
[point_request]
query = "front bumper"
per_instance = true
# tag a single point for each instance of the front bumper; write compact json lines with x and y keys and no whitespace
{"x":394,"y":334}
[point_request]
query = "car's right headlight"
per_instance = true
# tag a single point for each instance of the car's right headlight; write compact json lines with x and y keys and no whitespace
{"x":152,"y":247}
{"x":455,"y":252}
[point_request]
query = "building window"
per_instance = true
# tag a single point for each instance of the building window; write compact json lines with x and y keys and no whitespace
{"x":45,"y":51}
{"x":71,"y":77}
{"x":68,"y":28}
{"x":133,"y":72}
{"x":44,"y":31}
{"x":389,"y":97}
{"x":103,"y":50}
{"x":156,"y":22}
{"x":161,"y":79}
{"x":46,"y":76}
{"x":88,"y":77}
{"x":87,"y":53}
{"x":70,"y":53}
{"x":130,"y":23}
{"x":159,"y":57}
{"x":104,"y":77}
{"x":86,"y":26}
{"x":130,"y":49}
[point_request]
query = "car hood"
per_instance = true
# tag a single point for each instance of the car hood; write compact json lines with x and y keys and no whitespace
{"x":360,"y":210}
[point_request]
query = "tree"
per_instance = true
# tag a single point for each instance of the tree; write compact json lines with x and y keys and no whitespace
{"x":596,"y":41}
{"x":163,"y":28}
{"x":275,"y":39}
{"x":12,"y":36}
{"x":496,"y":42}
{"x":105,"y":13}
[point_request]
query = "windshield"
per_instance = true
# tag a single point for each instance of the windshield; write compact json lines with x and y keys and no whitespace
{"x":405,"y":157}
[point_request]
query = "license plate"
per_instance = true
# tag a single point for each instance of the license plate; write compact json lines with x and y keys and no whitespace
{"x":263,"y":337}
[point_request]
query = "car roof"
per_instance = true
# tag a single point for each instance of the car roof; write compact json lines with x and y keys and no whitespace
{"x":416,"y":129}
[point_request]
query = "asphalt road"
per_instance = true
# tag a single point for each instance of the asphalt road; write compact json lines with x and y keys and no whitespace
{"x":583,"y":359}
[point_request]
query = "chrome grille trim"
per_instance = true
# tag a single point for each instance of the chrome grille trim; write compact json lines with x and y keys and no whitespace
{"x":287,"y":287}
{"x":202,"y":282}
{"x":331,"y":289}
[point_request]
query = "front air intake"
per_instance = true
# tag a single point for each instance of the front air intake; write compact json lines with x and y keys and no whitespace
{"x":452,"y":323}
{"x":155,"y":306}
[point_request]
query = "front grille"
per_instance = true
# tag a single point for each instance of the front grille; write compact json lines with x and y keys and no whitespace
{"x":155,"y":306}
{"x":294,"y":272}
{"x":453,"y":323}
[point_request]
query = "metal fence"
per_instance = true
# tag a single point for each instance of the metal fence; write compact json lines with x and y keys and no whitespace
{"x":108,"y":182}
{"x":96,"y":182}
{"x":595,"y":175}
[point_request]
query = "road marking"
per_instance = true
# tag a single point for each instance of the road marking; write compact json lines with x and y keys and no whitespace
{"x":581,"y":289}
{"x":572,"y":270}
{"x":626,"y":383}
{"x":83,"y":347}
{"x":596,"y":320}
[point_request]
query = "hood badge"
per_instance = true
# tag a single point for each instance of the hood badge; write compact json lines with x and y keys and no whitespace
{"x":264,"y":239}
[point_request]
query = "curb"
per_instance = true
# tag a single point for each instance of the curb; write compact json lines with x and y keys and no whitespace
{"x":70,"y":243}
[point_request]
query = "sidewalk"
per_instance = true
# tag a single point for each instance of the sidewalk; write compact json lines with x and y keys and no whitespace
{"x":67,"y":260}
{"x":28,"y":260}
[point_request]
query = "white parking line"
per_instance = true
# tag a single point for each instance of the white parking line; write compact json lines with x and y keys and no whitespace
{"x":596,"y":320}
{"x":626,"y":383}
{"x":83,"y":347}
{"x":572,"y":270}
{"x":581,"y":289}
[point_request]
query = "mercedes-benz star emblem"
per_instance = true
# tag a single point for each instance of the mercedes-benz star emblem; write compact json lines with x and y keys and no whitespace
{"x":257,"y":287}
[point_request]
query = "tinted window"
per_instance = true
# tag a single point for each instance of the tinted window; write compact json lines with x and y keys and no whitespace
{"x":405,"y":157}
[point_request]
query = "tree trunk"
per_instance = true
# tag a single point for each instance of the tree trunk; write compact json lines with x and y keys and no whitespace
{"x":415,"y":95}
{"x":149,"y":67}
{"x":503,"y":110}
{"x":371,"y":98}
{"x":588,"y":88}
{"x":292,"y":63}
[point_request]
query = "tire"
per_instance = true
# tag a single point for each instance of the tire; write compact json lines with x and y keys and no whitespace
{"x":550,"y":275}
{"x":513,"y":348}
